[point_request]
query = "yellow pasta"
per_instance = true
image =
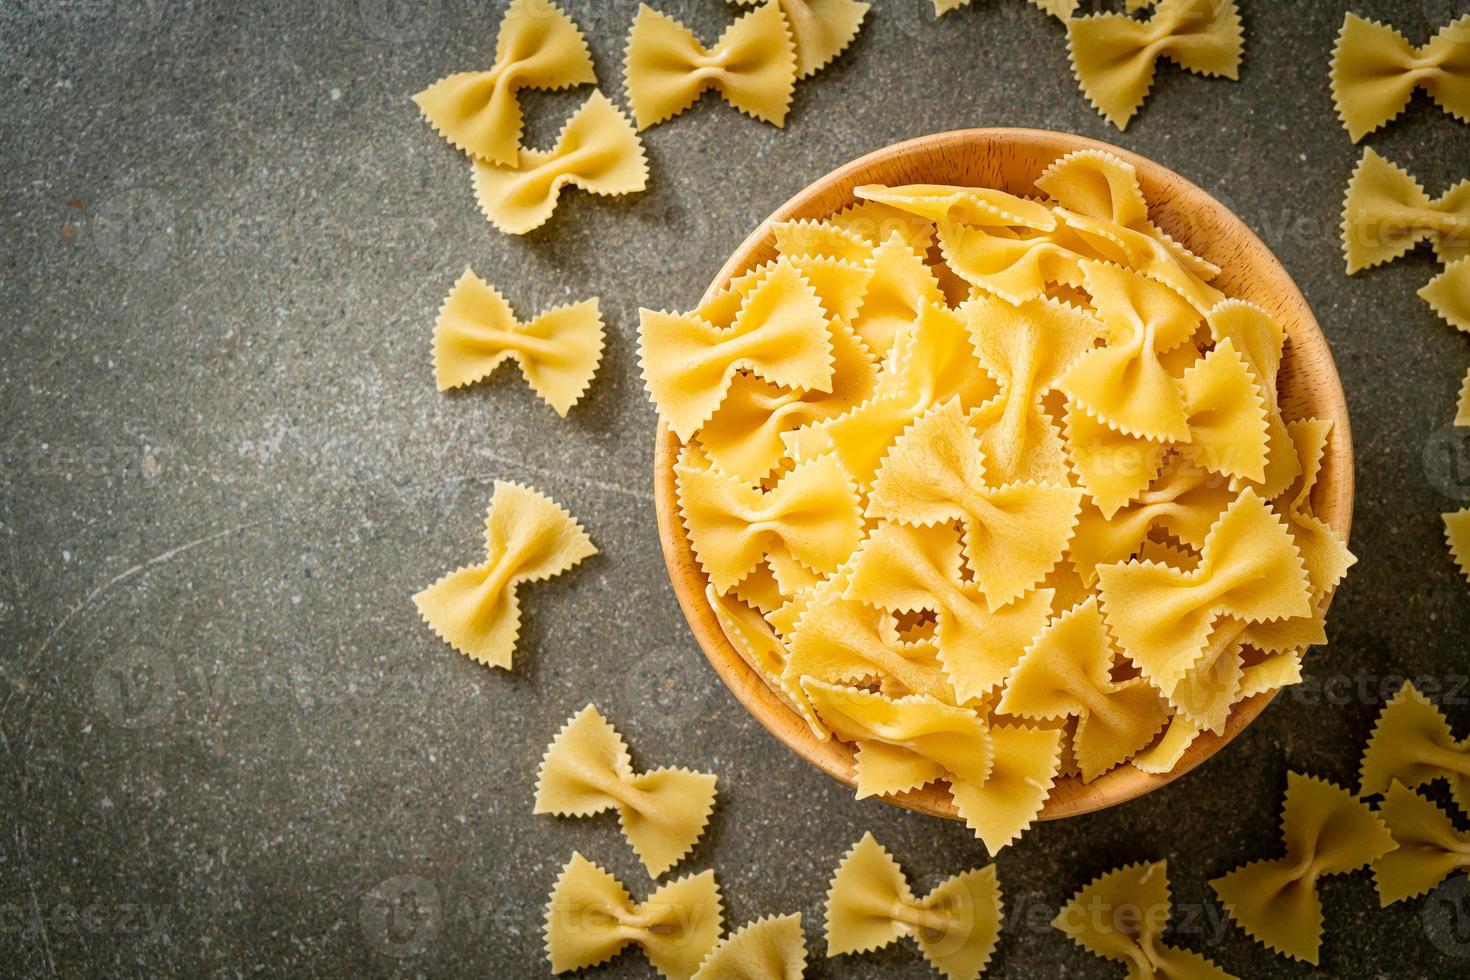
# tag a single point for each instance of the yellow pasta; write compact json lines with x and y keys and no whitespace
{"x":1375,"y":71}
{"x":870,"y":905}
{"x":1249,"y":569}
{"x":902,"y":285}
{"x":1025,"y":767}
{"x":1429,"y":850}
{"x":1260,"y":340}
{"x":1457,"y":524}
{"x":1448,"y":294}
{"x":980,"y":206}
{"x":875,"y":222}
{"x":753,"y":65}
{"x":1061,"y":9}
{"x":1386,"y":212}
{"x":590,"y":918}
{"x":1327,"y":831}
{"x":597,"y":150}
{"x":770,"y":948}
{"x":779,"y":333}
{"x":821,"y":29}
{"x":1121,"y":916}
{"x":1326,"y":557}
{"x":1164,"y":755}
{"x":1412,"y":744}
{"x":557,"y":351}
{"x":538,"y":47}
{"x":1066,"y":672}
{"x":587,"y":770}
{"x":1114,"y":56}
{"x":528,"y":537}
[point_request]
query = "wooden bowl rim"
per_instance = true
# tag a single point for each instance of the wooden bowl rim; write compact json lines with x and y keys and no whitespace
{"x":1307,"y":348}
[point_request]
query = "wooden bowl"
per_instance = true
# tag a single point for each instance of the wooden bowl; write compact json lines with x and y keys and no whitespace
{"x":1011,"y":159}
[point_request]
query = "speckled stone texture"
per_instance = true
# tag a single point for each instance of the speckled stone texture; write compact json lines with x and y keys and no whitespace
{"x":229,"y":746}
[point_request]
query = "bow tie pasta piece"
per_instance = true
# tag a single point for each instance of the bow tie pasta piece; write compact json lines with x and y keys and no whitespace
{"x":780,"y":333}
{"x":1249,"y":568}
{"x":821,"y":29}
{"x":590,"y":918}
{"x":1067,"y":672}
{"x":841,"y":640}
{"x":1027,"y":348}
{"x":1144,"y":254}
{"x":1114,"y":468}
{"x":557,"y":351}
{"x":906,"y":742}
{"x":907,"y":569}
{"x":1016,"y":264}
{"x":902,"y":286}
{"x":1260,"y":340}
{"x":1161,"y":757}
{"x":1327,"y":832}
{"x":1125,"y":384}
{"x":770,"y":948}
{"x":932,"y":361}
{"x":597,"y":150}
{"x":1098,"y":185}
{"x":1114,"y":56}
{"x":1326,"y":556}
{"x":1386,"y":212}
{"x":587,"y":770}
{"x":1026,"y":764}
{"x":875,"y":222}
{"x":1121,"y":916}
{"x":528,"y":537}
{"x":936,"y":473}
{"x":1457,"y":525}
{"x":804,"y":238}
{"x":1412,"y":743}
{"x":1185,"y":501}
{"x":756,"y":641}
{"x":1375,"y":71}
{"x":538,"y":47}
{"x":980,"y":206}
{"x":812,"y":518}
{"x":1429,"y":850}
{"x":870,"y":905}
{"x":1228,"y":430}
{"x":1448,"y":294}
{"x":752,"y":66}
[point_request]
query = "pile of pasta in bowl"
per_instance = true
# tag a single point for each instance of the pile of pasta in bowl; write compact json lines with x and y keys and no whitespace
{"x":997,"y":490}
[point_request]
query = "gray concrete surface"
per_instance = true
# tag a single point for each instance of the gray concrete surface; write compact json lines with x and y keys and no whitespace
{"x":230,"y":748}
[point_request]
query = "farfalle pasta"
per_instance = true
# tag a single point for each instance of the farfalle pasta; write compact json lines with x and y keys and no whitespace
{"x":820,"y":29}
{"x":1448,"y":294}
{"x":1457,"y":524}
{"x":753,"y":65}
{"x":590,"y":918}
{"x":1412,"y":744}
{"x":1386,"y":212}
{"x":538,"y":47}
{"x":1430,"y":847}
{"x":597,"y":150}
{"x":1121,"y":916}
{"x":1114,"y":55}
{"x":1327,"y":831}
{"x":1034,"y":528}
{"x":770,"y":948}
{"x":1375,"y":71}
{"x":870,"y":905}
{"x":557,"y":350}
{"x":528,"y":537}
{"x":587,"y":770}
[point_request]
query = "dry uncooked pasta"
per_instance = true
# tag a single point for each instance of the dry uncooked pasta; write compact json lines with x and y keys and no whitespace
{"x":821,"y":29}
{"x":538,"y":47}
{"x":1327,"y":831}
{"x":1032,"y":531}
{"x":753,"y":65}
{"x":770,"y":948}
{"x":1375,"y":71}
{"x":870,"y":905}
{"x":1061,"y":9}
{"x":587,"y":770}
{"x":528,"y":537}
{"x":590,"y":918}
{"x":1412,"y":744}
{"x":1430,"y":848}
{"x":1114,"y":55}
{"x":1121,"y":916}
{"x":1386,"y":212}
{"x":557,"y":351}
{"x":597,"y":150}
{"x":1448,"y":294}
{"x":1457,"y":524}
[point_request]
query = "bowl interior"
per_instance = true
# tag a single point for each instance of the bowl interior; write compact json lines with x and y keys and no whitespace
{"x":1011,"y":159}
